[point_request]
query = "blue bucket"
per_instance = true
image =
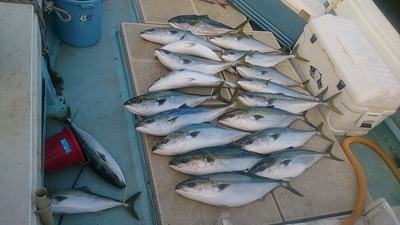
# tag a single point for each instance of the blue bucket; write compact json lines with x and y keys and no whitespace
{"x":84,"y":28}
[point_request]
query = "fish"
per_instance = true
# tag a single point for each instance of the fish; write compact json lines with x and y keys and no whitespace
{"x":259,"y":118}
{"x":223,"y":5}
{"x":192,"y":48}
{"x":267,"y":73}
{"x":203,"y":25}
{"x":100,"y":160}
{"x":275,"y":139}
{"x":168,"y":35}
{"x":229,"y":189}
{"x":187,"y":78}
{"x":288,"y":164}
{"x":238,"y":42}
{"x":196,"y":136}
{"x":73,"y":201}
{"x":177,"y":61}
{"x":288,"y":103}
{"x":263,"y":59}
{"x":268,"y":86}
{"x":222,"y":158}
{"x":155,"y":102}
{"x":164,"y":123}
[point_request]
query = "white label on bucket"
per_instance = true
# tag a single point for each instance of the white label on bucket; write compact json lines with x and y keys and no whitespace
{"x":85,"y":18}
{"x":65,"y":145}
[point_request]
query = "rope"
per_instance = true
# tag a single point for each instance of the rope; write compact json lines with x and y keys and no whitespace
{"x":50,"y":7}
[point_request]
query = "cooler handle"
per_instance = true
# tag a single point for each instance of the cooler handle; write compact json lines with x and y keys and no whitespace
{"x":87,"y":5}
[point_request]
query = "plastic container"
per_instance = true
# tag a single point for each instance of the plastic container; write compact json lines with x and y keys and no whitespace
{"x":62,"y":150}
{"x":285,"y":18}
{"x":343,"y":60}
{"x":84,"y":28}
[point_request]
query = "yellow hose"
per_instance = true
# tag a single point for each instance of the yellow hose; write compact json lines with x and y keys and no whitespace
{"x":362,"y":182}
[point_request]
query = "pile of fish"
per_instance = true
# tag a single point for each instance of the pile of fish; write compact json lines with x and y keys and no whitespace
{"x":241,"y":150}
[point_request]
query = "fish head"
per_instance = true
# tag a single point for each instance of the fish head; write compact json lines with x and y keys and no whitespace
{"x":195,"y":188}
{"x":252,"y":84}
{"x":153,"y":124}
{"x":171,"y":144}
{"x":140,"y":105}
{"x":183,"y":22}
{"x":160,"y":84}
{"x":232,"y":55}
{"x":190,"y":162}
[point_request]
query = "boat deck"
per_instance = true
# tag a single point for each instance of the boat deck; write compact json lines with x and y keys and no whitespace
{"x":100,"y":78}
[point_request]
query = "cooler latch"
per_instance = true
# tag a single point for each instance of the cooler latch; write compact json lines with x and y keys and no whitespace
{"x":369,"y":120}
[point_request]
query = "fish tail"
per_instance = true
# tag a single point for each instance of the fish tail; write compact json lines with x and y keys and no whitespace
{"x":329,"y":104}
{"x":321,"y":133}
{"x":291,"y":189}
{"x":130,"y":205}
{"x":330,"y":155}
{"x":282,"y":50}
{"x":241,"y":27}
{"x":320,"y":96}
{"x":66,"y":118}
{"x":296,"y":54}
{"x":217,"y":93}
{"x":235,"y":101}
{"x":304,"y":84}
{"x":307,"y":121}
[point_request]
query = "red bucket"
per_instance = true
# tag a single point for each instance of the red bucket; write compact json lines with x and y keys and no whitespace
{"x":62,"y":150}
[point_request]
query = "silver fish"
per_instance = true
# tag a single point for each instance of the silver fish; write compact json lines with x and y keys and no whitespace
{"x":192,"y":48}
{"x":288,"y":103}
{"x":214,"y":160}
{"x":268,"y":86}
{"x":288,"y":164}
{"x":196,"y":136}
{"x":73,"y":201}
{"x":274,"y":139}
{"x":99,"y":159}
{"x":187,"y":78}
{"x":168,"y":35}
{"x":266,"y":73}
{"x":203,"y":25}
{"x":177,"y":61}
{"x":259,"y":118}
{"x":169,"y":121}
{"x":238,"y":42}
{"x":156,"y":102}
{"x":255,"y":58}
{"x":229,"y":189}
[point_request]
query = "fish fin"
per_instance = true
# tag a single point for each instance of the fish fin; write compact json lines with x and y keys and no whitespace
{"x":275,"y":136}
{"x":194,"y":134}
{"x":173,"y":119}
{"x":210,"y":159}
{"x":264,"y":72}
{"x":183,"y":37}
{"x":184,"y":106}
{"x":258,"y":117}
{"x":60,"y":198}
{"x":161,"y":101}
{"x":131,"y":202}
{"x":271,"y":101}
{"x":240,"y":28}
{"x":304,"y":84}
{"x":296,"y":54}
{"x":286,"y":162}
{"x":307,"y":121}
{"x":102,"y":156}
{"x":217,"y":93}
{"x":282,"y":50}
{"x":329,"y":103}
{"x":186,"y":61}
{"x":321,"y":133}
{"x":188,"y":80}
{"x":221,"y":187}
{"x":291,"y":189}
{"x":235,"y":101}
{"x":330,"y":155}
{"x":320,"y":96}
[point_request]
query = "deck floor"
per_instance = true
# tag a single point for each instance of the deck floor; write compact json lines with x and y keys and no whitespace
{"x":96,"y":85}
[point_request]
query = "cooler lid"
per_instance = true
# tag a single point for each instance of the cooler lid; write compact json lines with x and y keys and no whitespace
{"x":368,"y":79}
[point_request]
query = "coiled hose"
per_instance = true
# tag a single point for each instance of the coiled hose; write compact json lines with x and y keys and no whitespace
{"x":361,"y":180}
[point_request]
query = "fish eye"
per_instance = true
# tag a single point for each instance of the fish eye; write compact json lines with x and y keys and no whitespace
{"x":163,"y":142}
{"x":137,"y":101}
{"x":185,"y":161}
{"x":230,"y":115}
{"x":249,"y":142}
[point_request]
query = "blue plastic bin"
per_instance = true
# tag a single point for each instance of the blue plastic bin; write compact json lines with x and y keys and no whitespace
{"x":84,"y":29}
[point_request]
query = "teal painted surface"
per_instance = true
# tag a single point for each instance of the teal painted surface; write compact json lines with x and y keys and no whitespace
{"x":272,"y":16}
{"x":96,"y":85}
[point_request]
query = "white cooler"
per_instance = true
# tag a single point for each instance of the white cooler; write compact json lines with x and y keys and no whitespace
{"x":343,"y":60}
